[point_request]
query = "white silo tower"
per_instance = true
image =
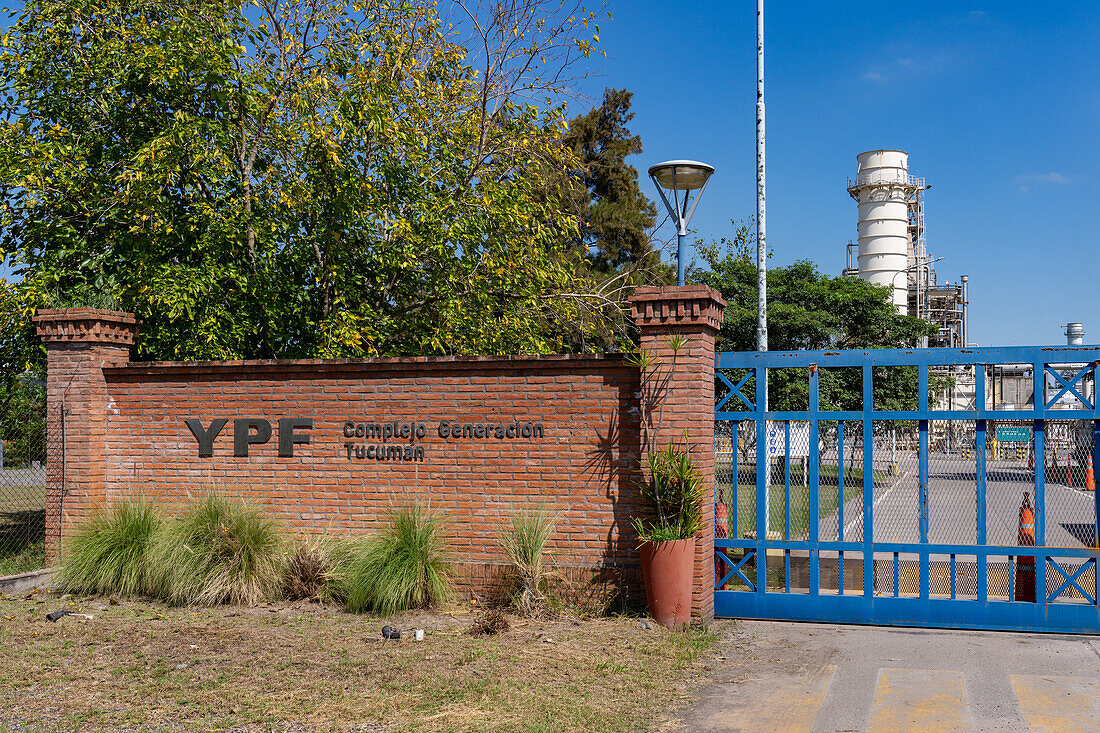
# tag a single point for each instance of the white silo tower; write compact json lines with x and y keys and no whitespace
{"x":884,"y":189}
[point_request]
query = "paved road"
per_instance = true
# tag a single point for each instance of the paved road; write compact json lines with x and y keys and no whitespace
{"x":843,"y":679}
{"x":952,"y":509}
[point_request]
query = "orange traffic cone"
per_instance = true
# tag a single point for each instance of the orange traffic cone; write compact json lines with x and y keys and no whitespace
{"x":721,"y":518}
{"x":1025,"y":566}
{"x":1069,"y":473}
{"x":1090,"y":481}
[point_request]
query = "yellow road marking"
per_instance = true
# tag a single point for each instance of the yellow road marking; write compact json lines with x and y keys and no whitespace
{"x":782,"y":705}
{"x":920,"y":700}
{"x":1051,"y":703}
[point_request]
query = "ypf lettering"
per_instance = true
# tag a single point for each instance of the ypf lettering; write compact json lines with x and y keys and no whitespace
{"x":249,"y":431}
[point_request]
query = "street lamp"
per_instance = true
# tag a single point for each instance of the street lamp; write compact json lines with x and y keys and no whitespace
{"x":680,"y":177}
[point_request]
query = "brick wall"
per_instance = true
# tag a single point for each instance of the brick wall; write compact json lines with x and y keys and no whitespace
{"x":557,"y":432}
{"x":580,"y":467}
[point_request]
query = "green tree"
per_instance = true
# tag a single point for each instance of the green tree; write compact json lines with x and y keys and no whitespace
{"x":293,"y":177}
{"x":809,"y":310}
{"x":615,"y":217}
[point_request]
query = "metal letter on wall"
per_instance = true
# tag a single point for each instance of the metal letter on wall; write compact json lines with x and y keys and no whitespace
{"x":288,"y":438}
{"x":244,"y":437}
{"x":206,"y":436}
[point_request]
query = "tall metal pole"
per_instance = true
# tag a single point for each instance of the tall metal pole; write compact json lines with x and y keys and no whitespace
{"x":680,"y":237}
{"x":966,"y":311}
{"x":761,"y":218}
{"x":762,"y":243}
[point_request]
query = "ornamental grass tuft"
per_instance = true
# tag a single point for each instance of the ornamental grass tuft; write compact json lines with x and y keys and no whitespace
{"x":404,"y":567}
{"x":221,"y":551}
{"x":524,"y":541}
{"x":108,"y":556}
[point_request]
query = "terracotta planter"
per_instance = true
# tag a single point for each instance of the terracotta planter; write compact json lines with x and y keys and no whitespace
{"x":668,"y":569}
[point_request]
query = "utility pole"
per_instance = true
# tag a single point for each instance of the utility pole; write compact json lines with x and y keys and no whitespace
{"x":762,"y":245}
{"x":761,"y":217}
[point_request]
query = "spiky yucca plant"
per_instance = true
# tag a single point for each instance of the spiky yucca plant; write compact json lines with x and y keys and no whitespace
{"x":405,"y":567}
{"x":675,"y":491}
{"x":108,"y":554}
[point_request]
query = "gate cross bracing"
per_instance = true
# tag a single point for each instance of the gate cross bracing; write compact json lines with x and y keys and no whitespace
{"x":929,"y":535}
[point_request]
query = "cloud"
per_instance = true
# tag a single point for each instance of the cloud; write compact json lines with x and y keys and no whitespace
{"x":978,"y":13}
{"x":909,"y":67}
{"x":1026,"y":180}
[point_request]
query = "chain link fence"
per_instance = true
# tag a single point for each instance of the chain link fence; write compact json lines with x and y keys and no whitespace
{"x":22,"y":473}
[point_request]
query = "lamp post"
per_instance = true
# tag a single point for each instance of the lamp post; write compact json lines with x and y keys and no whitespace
{"x":680,"y":177}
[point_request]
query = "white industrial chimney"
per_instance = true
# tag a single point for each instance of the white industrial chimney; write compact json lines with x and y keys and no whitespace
{"x":1075,"y":334}
{"x":882,"y":188}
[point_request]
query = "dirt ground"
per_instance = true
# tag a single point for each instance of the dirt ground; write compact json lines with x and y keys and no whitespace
{"x":306,"y":667}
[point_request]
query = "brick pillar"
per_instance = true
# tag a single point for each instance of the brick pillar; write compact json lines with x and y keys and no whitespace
{"x":694,"y":312}
{"x":80,"y":342}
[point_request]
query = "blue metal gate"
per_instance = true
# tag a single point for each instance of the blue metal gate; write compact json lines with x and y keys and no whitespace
{"x":888,"y":487}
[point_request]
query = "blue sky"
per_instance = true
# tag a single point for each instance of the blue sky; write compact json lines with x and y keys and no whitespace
{"x":998,"y":106}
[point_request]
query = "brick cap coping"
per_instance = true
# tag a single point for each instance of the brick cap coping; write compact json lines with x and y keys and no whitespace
{"x":62,"y":314}
{"x":86,"y":325}
{"x":269,"y":365}
{"x":676,"y":292}
{"x":687,"y":306}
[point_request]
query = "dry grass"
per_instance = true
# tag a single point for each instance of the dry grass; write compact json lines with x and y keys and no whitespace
{"x":306,"y":667}
{"x":493,"y":621}
{"x":309,"y":567}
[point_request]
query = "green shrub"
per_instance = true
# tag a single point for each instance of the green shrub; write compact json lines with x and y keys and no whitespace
{"x":405,"y":567}
{"x":221,"y":551}
{"x":108,"y":556}
{"x":525,"y":543}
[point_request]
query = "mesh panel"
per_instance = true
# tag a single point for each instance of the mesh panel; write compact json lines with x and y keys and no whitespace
{"x":1000,"y":575}
{"x":841,"y":571}
{"x":896,"y":483}
{"x":900,"y":575}
{"x":789,"y":496}
{"x":1070,"y":505}
{"x":840,"y":502}
{"x":742,"y":450}
{"x":952,"y":483}
{"x":1010,"y":473}
{"x":22,"y":474}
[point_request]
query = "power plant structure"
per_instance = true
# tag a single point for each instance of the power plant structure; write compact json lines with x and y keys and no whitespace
{"x":891,"y":249}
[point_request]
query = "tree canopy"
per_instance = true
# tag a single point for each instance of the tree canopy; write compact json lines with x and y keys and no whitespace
{"x":293,"y":177}
{"x":616,"y":218}
{"x":814,"y":311}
